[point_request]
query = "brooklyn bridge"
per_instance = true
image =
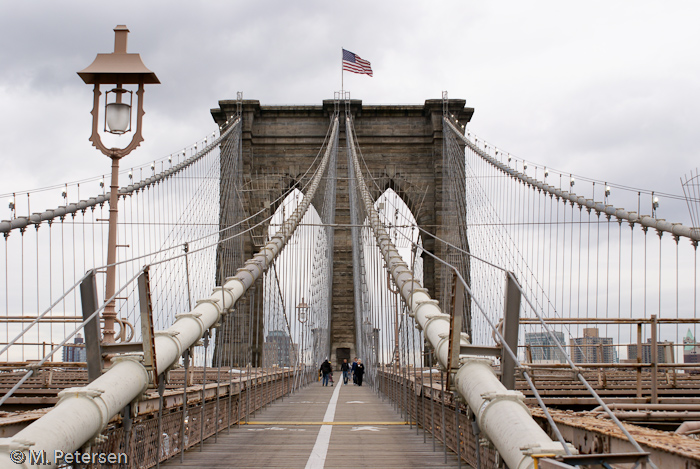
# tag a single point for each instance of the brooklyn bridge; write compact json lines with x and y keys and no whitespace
{"x":506,"y":314}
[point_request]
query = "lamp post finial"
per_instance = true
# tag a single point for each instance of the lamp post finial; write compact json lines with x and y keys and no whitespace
{"x":121,"y":32}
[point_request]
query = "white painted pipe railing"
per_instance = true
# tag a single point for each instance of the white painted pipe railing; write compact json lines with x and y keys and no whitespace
{"x":501,"y":414}
{"x":82,"y":413}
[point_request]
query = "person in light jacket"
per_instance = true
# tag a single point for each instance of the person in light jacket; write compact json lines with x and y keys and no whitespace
{"x":359,"y":372}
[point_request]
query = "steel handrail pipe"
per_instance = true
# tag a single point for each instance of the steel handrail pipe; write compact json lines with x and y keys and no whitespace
{"x":645,"y":406}
{"x":653,"y":415}
{"x":688,"y":428}
{"x":501,"y":414}
{"x":659,"y":224}
{"x":7,"y":226}
{"x":82,"y":413}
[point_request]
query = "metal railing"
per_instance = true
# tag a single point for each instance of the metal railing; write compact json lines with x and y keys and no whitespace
{"x":148,"y":441}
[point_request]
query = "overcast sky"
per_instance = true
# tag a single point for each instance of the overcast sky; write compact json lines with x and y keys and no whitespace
{"x":605,"y":89}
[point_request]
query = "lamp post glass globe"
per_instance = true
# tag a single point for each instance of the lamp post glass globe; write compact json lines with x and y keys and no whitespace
{"x":118,"y":117}
{"x":118,"y":112}
{"x":302,"y":309}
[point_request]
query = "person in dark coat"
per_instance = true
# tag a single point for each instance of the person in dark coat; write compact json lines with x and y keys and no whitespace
{"x":352,"y":370}
{"x":359,"y":372}
{"x":345,"y":368}
{"x":326,"y":369}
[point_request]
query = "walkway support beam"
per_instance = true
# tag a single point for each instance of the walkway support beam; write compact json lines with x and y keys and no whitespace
{"x":82,"y":413}
{"x":501,"y":414}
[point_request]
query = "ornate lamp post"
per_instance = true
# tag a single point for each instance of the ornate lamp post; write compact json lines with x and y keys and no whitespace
{"x":302,"y":317}
{"x":116,"y":69}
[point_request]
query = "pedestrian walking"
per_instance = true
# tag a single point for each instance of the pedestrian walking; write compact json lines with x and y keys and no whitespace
{"x":345,"y":368}
{"x":326,"y":369}
{"x":354,"y":367}
{"x":359,"y":372}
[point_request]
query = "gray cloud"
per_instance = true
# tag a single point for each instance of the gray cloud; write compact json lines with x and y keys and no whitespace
{"x":604,"y":89}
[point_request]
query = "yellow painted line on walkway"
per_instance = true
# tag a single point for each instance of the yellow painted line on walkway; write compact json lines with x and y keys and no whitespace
{"x":324,"y":423}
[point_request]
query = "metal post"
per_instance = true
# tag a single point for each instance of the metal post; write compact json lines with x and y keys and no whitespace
{"x":654,"y":360}
{"x":432,"y":399}
{"x":457,"y":434}
{"x":204,"y":388}
{"x":161,"y":391}
{"x":422,"y":394}
{"x":444,"y":434}
{"x":406,"y":386}
{"x":247,"y":393}
{"x":183,"y":443}
{"x":477,"y":444}
{"x":406,"y":383}
{"x":147,"y":334}
{"x":455,"y":330}
{"x":230,"y":378}
{"x":126,"y":424}
{"x":415,"y":379}
{"x":218,"y":393}
{"x":109,"y":314}
{"x":396,"y":319}
{"x":639,"y":359}
{"x":186,"y":249}
{"x":239,"y":397}
{"x":93,"y":351}
{"x":511,"y":315}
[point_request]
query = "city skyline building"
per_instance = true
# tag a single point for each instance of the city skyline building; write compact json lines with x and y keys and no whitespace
{"x":75,"y":352}
{"x":664,"y":352}
{"x":542,"y":347}
{"x":278,"y":349}
{"x":691,"y":351}
{"x":591,"y":348}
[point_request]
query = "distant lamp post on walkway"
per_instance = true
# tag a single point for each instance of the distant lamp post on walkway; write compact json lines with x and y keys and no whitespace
{"x":116,"y":69}
{"x":302,"y":317}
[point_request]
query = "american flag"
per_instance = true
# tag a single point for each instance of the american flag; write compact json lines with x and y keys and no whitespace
{"x":353,"y":63}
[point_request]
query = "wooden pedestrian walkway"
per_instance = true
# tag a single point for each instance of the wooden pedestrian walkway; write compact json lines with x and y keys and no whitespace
{"x":333,"y":427}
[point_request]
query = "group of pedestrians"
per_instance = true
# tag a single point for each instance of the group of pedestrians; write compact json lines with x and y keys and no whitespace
{"x":356,"y":371}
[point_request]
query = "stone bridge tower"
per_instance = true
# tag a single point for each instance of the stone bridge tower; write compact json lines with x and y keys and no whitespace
{"x":402,"y":146}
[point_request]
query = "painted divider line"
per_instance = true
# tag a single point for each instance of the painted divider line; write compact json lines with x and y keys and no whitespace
{"x":317,"y":459}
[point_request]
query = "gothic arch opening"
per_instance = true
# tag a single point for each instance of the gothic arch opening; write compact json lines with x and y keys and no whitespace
{"x":296,"y":291}
{"x":382,"y":329}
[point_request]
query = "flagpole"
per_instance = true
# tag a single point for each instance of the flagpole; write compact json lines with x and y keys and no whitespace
{"x":342,"y":75}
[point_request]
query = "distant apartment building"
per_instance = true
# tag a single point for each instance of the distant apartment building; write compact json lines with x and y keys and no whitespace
{"x":691,"y":351}
{"x":664,"y":352}
{"x":542,"y":348}
{"x":75,"y":352}
{"x":591,"y":348}
{"x":278,"y":349}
